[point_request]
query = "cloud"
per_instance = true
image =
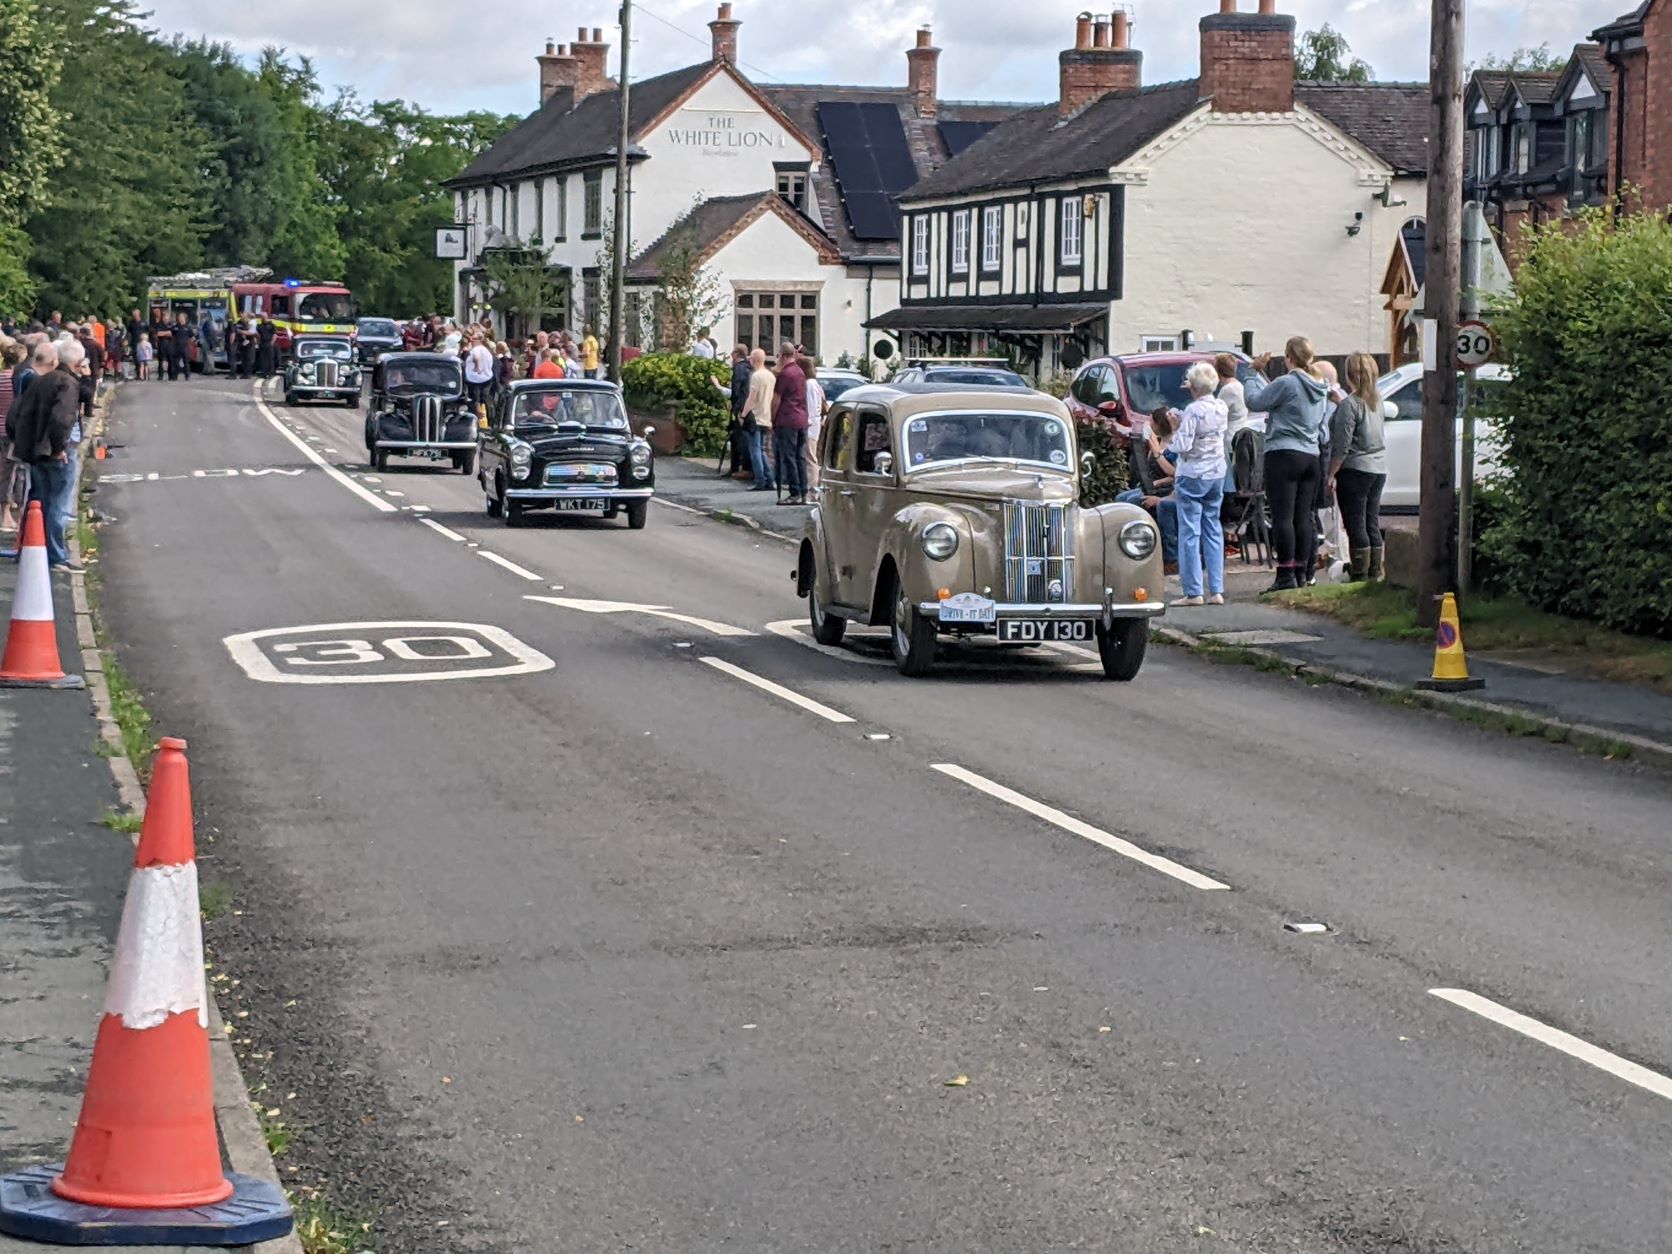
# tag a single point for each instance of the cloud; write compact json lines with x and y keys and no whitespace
{"x":457,"y":59}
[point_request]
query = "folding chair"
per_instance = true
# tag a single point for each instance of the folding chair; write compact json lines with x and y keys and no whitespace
{"x":1247,"y":516}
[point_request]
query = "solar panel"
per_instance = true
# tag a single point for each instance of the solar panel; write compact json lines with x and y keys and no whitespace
{"x":887,"y":137}
{"x":872,"y":215}
{"x":960,"y":135}
{"x":871,"y":161}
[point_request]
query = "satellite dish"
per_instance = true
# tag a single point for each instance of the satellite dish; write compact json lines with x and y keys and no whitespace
{"x":1072,"y":355}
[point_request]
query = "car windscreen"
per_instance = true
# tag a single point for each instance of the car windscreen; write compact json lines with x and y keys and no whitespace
{"x":834,"y":387}
{"x":935,"y":439}
{"x":382,"y":328}
{"x":439,"y":375}
{"x":598,"y":410}
{"x":980,"y":378}
{"x":1154,"y":387}
{"x":306,"y":349}
{"x":325,"y":307}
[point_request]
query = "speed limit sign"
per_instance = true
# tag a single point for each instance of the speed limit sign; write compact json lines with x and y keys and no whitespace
{"x":1476,"y":345}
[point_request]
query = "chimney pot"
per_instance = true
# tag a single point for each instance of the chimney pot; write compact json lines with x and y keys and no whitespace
{"x":597,"y":34}
{"x":1082,"y":32}
{"x":1100,"y":32}
{"x":549,"y":47}
{"x":1268,"y":7}
{"x":925,"y":37}
{"x":580,"y":35}
{"x":1227,"y":6}
{"x":1121,"y":31}
{"x":723,"y":31}
{"x":725,"y":11}
{"x":1098,"y":64}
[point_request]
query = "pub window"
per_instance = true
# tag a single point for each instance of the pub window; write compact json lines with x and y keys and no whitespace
{"x":792,"y":186}
{"x":514,"y":196}
{"x":1579,"y":146}
{"x":590,"y":300}
{"x":560,"y":228}
{"x":1158,"y":343}
{"x":539,"y":231}
{"x":920,"y":244}
{"x":592,"y":222}
{"x":1598,"y":153}
{"x":766,"y":319}
{"x":992,"y":236}
{"x":1068,"y":242}
{"x":961,"y":242}
{"x":1523,"y":147}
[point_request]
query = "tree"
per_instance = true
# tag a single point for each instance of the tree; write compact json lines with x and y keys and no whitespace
{"x":1534,"y":60}
{"x":17,"y":288}
{"x":521,"y":285}
{"x":690,"y":296}
{"x":30,"y":65}
{"x":307,"y":244}
{"x":1324,"y":56}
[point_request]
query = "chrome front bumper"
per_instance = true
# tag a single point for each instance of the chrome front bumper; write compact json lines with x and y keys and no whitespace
{"x":419,"y":444}
{"x":559,"y":494}
{"x":1106,"y":612}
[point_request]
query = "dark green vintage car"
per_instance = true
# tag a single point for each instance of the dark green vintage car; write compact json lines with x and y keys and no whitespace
{"x":565,"y":445}
{"x":322,"y":368}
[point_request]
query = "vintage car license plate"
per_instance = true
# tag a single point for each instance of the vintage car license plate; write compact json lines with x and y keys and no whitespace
{"x":1029,"y":630}
{"x":967,"y":607}
{"x":582,"y":504}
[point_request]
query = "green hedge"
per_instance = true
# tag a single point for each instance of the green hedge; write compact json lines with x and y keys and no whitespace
{"x":1108,"y":477}
{"x":1587,"y":509}
{"x":658,"y":379}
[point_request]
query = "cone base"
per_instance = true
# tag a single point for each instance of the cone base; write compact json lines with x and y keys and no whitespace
{"x":120,"y":1201}
{"x":256,"y":1211}
{"x":60,"y":682}
{"x":1450,"y":685}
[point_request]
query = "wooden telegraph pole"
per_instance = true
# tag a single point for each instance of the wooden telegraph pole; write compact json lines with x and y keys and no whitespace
{"x":620,"y":229}
{"x":1441,"y":287}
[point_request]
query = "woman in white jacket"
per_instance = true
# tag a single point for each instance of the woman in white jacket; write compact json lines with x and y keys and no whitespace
{"x":1199,"y":487}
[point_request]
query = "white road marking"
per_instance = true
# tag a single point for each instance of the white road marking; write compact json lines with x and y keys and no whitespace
{"x":1069,"y":823}
{"x":654,"y":611}
{"x":796,"y":629}
{"x":777,"y":690}
{"x":375,"y":644}
{"x":317,"y":459}
{"x":511,"y":566}
{"x":1570,"y":1045}
{"x":392,"y":492}
{"x":371,"y":479}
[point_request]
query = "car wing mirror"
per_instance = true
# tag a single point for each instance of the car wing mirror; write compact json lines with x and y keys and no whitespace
{"x":1390,"y":411}
{"x":1111,"y":409}
{"x":647,"y":433}
{"x":883,"y":463}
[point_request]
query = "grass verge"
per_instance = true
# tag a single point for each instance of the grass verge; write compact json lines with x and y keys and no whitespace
{"x":323,"y":1229}
{"x":123,"y":821}
{"x":1499,"y":625}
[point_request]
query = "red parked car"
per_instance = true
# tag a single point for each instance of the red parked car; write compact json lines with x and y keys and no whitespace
{"x":1126,"y":390}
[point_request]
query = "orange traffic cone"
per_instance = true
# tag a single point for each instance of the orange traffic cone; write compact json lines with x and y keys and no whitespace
{"x":145,"y":1162}
{"x":1451,"y":664}
{"x":31,"y":658}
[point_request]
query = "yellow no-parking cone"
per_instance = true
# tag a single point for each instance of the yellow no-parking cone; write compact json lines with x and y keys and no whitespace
{"x":1451,"y":665}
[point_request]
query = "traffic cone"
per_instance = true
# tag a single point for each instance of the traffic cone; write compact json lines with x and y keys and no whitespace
{"x":1451,"y":666}
{"x":145,"y":1164}
{"x":31,"y":658}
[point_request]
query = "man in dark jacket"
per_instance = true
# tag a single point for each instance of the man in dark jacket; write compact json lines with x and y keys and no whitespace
{"x":42,"y":423}
{"x":265,"y":335}
{"x":180,"y":348}
{"x":737,"y":433}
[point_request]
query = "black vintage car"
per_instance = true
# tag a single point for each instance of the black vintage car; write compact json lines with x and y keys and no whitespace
{"x":375,"y":336}
{"x":322,"y":368}
{"x":564,"y":444}
{"x":419,"y":409}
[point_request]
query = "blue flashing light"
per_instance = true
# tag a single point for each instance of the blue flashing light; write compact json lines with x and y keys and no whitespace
{"x":293,"y":282}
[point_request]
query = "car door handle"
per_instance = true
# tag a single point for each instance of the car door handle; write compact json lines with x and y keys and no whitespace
{"x":847,"y":492}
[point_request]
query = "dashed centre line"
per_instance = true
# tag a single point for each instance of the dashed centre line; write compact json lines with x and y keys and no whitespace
{"x":777,"y":690}
{"x":318,"y":459}
{"x":445,"y":531}
{"x":509,"y":565}
{"x":1068,"y":823}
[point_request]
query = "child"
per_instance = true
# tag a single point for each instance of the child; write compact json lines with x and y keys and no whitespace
{"x":142,"y":355}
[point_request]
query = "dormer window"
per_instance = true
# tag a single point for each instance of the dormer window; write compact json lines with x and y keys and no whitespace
{"x":792,"y":185}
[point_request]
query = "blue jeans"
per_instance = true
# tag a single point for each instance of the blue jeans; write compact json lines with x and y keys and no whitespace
{"x":1200,"y":534}
{"x":758,"y":458}
{"x":74,"y":464}
{"x":49,"y":483}
{"x":789,"y":445}
{"x":1166,"y":520}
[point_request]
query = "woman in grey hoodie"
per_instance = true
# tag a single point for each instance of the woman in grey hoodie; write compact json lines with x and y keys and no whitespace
{"x":1295,"y":406}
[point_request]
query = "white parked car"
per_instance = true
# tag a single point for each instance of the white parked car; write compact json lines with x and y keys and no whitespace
{"x":1402,"y":405}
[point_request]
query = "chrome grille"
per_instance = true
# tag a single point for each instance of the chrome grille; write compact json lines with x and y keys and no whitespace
{"x":1038,"y":554}
{"x":325,"y":373}
{"x":429,"y":420}
{"x":581,"y":473}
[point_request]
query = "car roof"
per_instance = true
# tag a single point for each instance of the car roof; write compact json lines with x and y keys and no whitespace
{"x":419,"y":355}
{"x":579,"y":385}
{"x":906,"y":399}
{"x":1177,"y":357}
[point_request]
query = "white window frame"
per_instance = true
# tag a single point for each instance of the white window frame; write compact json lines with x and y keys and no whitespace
{"x":961,"y":241}
{"x":1070,"y":232}
{"x":1158,"y":343}
{"x":592,"y":210}
{"x":561,"y":224}
{"x":792,"y":189}
{"x":920,"y":244}
{"x":992,"y":237}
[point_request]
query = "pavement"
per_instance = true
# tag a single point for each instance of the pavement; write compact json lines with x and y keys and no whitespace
{"x":1592,"y":710}
{"x":583,"y":902}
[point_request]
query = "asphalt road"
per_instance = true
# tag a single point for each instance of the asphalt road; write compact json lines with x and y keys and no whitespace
{"x":629,"y":952}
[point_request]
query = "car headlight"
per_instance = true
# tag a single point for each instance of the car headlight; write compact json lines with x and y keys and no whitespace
{"x":641,"y":453}
{"x":1138,"y":539}
{"x":307,"y":370}
{"x":940,"y":541}
{"x":522,"y":457}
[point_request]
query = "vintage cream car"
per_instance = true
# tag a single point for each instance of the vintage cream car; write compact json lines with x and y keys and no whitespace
{"x":945,"y":511}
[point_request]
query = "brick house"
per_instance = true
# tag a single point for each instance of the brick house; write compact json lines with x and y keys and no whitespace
{"x":1638,"y":49}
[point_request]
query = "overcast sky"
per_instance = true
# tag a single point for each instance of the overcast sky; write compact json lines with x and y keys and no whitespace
{"x":453,"y":58}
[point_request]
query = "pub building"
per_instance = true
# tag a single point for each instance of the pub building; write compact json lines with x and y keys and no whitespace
{"x":787,"y":194}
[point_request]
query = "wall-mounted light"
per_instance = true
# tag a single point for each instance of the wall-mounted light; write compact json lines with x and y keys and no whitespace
{"x":1355,"y":226}
{"x":1388,"y":202}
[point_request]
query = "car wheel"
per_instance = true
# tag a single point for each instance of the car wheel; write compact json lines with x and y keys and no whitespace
{"x":354,"y":401}
{"x":493,"y":505}
{"x":828,"y":628}
{"x":290,"y":398}
{"x":380,"y":459}
{"x":511,"y":511}
{"x":912,"y":637}
{"x":638,"y":513}
{"x":1122,"y":647}
{"x":465,"y":462}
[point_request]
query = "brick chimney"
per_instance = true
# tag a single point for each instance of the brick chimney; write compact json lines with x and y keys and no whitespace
{"x":724,"y":31}
{"x":558,"y":71}
{"x":592,"y":60}
{"x":1248,"y":59}
{"x":1099,"y":62}
{"x":923,"y":73}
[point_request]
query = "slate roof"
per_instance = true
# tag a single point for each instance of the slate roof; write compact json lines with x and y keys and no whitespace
{"x":988,"y":317}
{"x":1595,"y":65}
{"x":800,"y":101}
{"x":1536,"y":86}
{"x":1390,"y":119}
{"x":560,"y":133}
{"x":1626,"y":24}
{"x":1492,"y":84}
{"x":713,"y":221}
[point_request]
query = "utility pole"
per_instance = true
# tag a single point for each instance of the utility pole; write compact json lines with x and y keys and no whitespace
{"x":1441,"y":284}
{"x":621,"y":240}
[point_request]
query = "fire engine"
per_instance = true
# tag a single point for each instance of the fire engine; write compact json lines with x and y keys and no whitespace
{"x":297,"y":307}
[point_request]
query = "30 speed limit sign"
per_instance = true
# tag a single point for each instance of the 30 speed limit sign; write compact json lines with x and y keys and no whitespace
{"x":1476,"y":345}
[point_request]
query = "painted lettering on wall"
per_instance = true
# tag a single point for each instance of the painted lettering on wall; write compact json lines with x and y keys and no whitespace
{"x":719,"y":135}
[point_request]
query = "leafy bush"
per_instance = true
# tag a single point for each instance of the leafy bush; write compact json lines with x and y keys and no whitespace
{"x":1587,"y":509}
{"x":685,"y":382}
{"x":1108,"y":476}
